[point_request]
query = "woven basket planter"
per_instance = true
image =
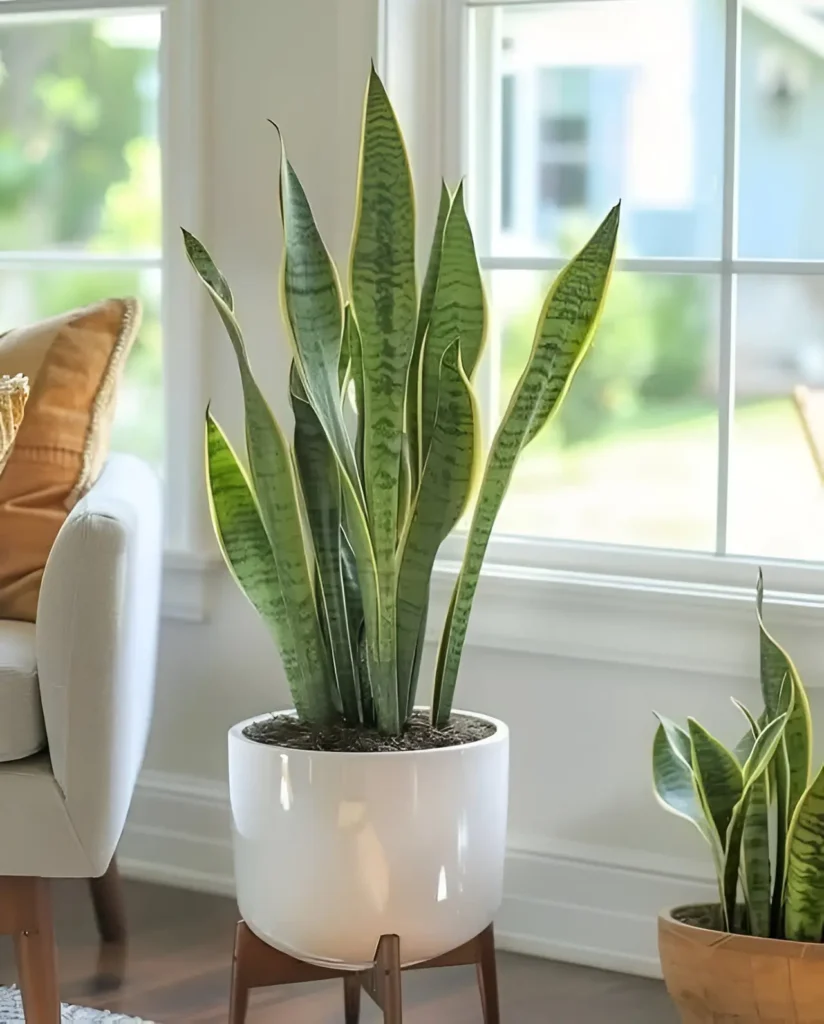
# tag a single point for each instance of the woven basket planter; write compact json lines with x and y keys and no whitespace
{"x":717,"y":978}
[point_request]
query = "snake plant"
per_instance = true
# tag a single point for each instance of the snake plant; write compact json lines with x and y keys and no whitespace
{"x":757,"y":806}
{"x":333,"y":535}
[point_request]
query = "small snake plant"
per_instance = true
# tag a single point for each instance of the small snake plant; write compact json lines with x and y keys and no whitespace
{"x":757,"y":806}
{"x":333,"y":537}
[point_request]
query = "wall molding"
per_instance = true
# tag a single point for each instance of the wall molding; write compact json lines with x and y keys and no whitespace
{"x":578,"y":903}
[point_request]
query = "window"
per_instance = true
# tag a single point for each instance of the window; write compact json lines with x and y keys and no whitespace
{"x":92,"y":94}
{"x":689,"y":428}
{"x":80,"y":184}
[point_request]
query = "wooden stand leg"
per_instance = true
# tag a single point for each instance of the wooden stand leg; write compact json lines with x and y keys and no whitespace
{"x":239,"y":999}
{"x":351,"y":998}
{"x":488,"y":977}
{"x":258,"y":965}
{"x":109,"y":907}
{"x":36,"y":954}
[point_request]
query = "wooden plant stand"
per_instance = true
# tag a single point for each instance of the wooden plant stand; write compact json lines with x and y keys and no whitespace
{"x":258,"y":965}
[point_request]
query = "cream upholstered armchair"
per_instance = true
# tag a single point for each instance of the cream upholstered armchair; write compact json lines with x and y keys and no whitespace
{"x":76,"y":693}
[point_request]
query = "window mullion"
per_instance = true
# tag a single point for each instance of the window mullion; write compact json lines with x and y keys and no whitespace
{"x":729,"y":251}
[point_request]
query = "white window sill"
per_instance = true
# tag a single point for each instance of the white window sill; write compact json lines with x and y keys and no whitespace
{"x":685,"y":627}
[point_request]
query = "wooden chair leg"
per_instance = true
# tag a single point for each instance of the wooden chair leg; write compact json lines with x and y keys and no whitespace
{"x":36,"y":956}
{"x":488,"y":978}
{"x":351,"y":998}
{"x":109,"y":906}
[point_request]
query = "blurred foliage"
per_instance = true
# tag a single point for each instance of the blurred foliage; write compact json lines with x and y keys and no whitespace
{"x":80,"y":168}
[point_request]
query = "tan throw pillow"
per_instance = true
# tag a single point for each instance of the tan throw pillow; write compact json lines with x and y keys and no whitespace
{"x":14,"y":391}
{"x":73,"y":363}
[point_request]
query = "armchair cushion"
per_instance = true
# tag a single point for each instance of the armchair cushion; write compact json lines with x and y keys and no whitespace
{"x":22,"y":732}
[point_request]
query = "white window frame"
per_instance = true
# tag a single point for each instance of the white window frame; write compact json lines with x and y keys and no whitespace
{"x":425,"y":56}
{"x":187,"y":550}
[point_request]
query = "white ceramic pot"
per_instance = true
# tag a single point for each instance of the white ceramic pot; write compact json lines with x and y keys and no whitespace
{"x":333,"y":850}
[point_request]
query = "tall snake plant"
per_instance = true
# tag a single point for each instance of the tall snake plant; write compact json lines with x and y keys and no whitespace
{"x":757,"y":806}
{"x":333,"y":537}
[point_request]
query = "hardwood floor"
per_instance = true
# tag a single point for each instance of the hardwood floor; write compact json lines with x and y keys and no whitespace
{"x":176,"y":971}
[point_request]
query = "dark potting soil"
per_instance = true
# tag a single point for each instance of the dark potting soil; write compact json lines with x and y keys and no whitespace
{"x":708,"y":916}
{"x":282,"y":731}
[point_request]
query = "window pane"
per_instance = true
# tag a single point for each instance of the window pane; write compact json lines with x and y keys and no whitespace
{"x":29,"y":296}
{"x":777,"y":464}
{"x":631,"y":458}
{"x":575,"y":105}
{"x":782,"y":130}
{"x":79,"y":156}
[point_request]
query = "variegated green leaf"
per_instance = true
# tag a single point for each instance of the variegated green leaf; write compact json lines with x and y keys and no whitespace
{"x":320,"y":480}
{"x":719,"y":777}
{"x":445,"y":488}
{"x":564,"y":333}
{"x":776,"y":666}
{"x":430,"y":282}
{"x":674,"y":781}
{"x":804,"y":906}
{"x":755,"y":858}
{"x":353,"y":343}
{"x":458,"y":312}
{"x":279,"y":588}
{"x":385,"y":302}
{"x":314,"y":313}
{"x":792,"y":764}
{"x":273,"y":476}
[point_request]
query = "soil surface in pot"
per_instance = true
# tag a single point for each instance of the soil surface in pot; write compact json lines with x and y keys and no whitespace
{"x":709,"y":917}
{"x":420,"y":734}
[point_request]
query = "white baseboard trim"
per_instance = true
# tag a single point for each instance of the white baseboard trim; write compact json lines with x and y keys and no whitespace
{"x":581,"y":904}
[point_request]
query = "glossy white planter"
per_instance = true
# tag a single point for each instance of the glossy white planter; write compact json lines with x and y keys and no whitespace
{"x":334,"y":850}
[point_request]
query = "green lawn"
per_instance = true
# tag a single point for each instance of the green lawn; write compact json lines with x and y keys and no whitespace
{"x":653,"y":482}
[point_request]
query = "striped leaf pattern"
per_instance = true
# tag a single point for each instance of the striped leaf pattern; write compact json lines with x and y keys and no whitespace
{"x":804,"y":909}
{"x":719,"y":777}
{"x":564,"y":333}
{"x":320,"y":480}
{"x":776,"y":668}
{"x":276,"y":590}
{"x":312,"y":301}
{"x":755,"y":859}
{"x":444,"y":491}
{"x":427,"y":300}
{"x":275,"y":488}
{"x":458,"y":312}
{"x":385,"y":303}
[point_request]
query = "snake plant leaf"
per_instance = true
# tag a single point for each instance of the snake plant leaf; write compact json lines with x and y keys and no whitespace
{"x":674,"y":781}
{"x":804,"y":906}
{"x":458,"y":311}
{"x":276,"y":490}
{"x":565,"y":328}
{"x":755,"y":858}
{"x":743,"y":748}
{"x":754,"y":773}
{"x":776,"y":666}
{"x":385,"y":303}
{"x":445,"y":489}
{"x":320,"y":480}
{"x":311,"y":297}
{"x":352,"y":342}
{"x":719,"y":777}
{"x":279,"y":588}
{"x":427,"y":300}
{"x":357,"y":629}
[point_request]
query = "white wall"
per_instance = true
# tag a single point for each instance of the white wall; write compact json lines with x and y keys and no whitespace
{"x":592,"y":857}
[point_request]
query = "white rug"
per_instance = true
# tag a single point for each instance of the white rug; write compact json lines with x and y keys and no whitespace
{"x":11,"y":1012}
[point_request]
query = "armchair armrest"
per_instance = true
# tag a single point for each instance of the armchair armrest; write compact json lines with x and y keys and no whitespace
{"x":96,"y":639}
